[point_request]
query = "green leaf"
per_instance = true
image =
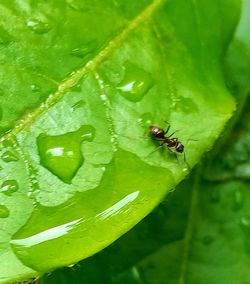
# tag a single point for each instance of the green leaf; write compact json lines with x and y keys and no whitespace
{"x":81,"y":81}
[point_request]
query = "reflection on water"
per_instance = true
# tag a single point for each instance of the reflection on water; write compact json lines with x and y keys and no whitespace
{"x":61,"y":230}
{"x":118,"y":206}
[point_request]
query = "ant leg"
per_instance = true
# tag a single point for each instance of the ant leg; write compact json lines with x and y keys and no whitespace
{"x":155,"y":149}
{"x":166,"y":131}
{"x":173,"y":153}
{"x":185,"y":161}
{"x":172,"y":133}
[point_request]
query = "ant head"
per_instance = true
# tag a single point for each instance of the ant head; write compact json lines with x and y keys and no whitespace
{"x":156,"y":131}
{"x":179,"y":148}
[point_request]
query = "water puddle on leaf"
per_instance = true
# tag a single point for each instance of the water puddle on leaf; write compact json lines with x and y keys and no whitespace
{"x":62,"y":154}
{"x":135,"y":84}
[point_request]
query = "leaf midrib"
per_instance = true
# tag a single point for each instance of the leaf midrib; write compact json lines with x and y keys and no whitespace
{"x":75,"y":76}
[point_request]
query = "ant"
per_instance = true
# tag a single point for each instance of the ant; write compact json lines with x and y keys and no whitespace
{"x":159,"y":134}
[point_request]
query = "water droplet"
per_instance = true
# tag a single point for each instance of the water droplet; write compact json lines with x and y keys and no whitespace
{"x":35,"y":88}
{"x":4,"y":211}
{"x":78,"y":104}
{"x":214,"y":195}
{"x":186,"y":105}
{"x":38,"y":26}
{"x":9,"y":186}
{"x":5,"y":37}
{"x":145,"y":119}
{"x":207,"y":240}
{"x":135,"y":84}
{"x":238,"y":200}
{"x":8,"y":156}
{"x":62,"y":154}
{"x":84,"y":50}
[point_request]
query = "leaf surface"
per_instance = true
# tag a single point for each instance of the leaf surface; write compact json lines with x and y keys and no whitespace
{"x":81,"y":81}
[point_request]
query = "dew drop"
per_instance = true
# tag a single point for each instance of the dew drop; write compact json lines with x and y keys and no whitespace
{"x":35,"y":88}
{"x":186,"y":105}
{"x":4,"y":211}
{"x":8,"y":156}
{"x":62,"y":154}
{"x":9,"y":186}
{"x":135,"y":84}
{"x":78,"y":104}
{"x":38,"y":26}
{"x":145,"y":119}
{"x":84,"y":50}
{"x":238,"y":200}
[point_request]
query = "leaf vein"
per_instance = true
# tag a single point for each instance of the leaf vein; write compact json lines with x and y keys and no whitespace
{"x":74,"y":78}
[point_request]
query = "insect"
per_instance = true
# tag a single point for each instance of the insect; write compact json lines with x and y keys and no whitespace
{"x":159,"y":134}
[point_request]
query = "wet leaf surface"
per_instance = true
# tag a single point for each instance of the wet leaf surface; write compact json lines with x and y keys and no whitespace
{"x":200,"y":233}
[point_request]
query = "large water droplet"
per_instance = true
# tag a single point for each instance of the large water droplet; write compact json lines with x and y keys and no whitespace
{"x":135,"y":84}
{"x":9,"y":186}
{"x":62,"y":154}
{"x":8,"y":156}
{"x":4,"y":211}
{"x":38,"y":26}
